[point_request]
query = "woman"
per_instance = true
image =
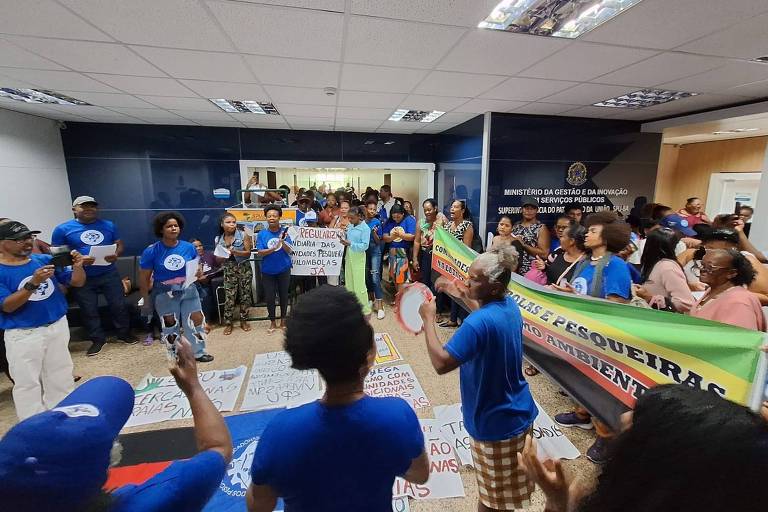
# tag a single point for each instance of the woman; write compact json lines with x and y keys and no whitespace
{"x":165,"y":262}
{"x":728,"y":273}
{"x":533,"y":235}
{"x":274,"y":248}
{"x":373,"y":258}
{"x":504,"y":234}
{"x":425,"y":238}
{"x":330,"y":211}
{"x":237,"y":271}
{"x":399,"y":233}
{"x":561,"y":264}
{"x":357,"y":238}
{"x":561,"y":225}
{"x":705,"y":434}
{"x":663,"y":281}
{"x":315,"y":455}
{"x":408,"y":208}
{"x":460,"y":226}
{"x":341,"y":221}
{"x":693,"y":212}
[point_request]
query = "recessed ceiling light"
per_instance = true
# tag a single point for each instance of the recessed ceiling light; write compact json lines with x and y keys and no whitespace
{"x":737,"y":130}
{"x":245,"y":106}
{"x":389,"y":143}
{"x":556,"y":18}
{"x":39,"y":96}
{"x":644,"y":98}
{"x":762,"y":59}
{"x":419,"y":116}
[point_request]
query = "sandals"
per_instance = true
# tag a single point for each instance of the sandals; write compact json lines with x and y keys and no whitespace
{"x":244,"y":325}
{"x":227,"y":330}
{"x":530,"y":371}
{"x":449,"y":324}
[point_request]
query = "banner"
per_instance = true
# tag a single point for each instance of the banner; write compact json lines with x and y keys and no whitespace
{"x":316,"y":251}
{"x":274,"y":384}
{"x":607,"y":354}
{"x":159,"y":399}
{"x":386,"y":351}
{"x":397,"y":380}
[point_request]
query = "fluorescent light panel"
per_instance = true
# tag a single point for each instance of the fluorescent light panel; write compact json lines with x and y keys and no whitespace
{"x":245,"y":106}
{"x":644,"y":98}
{"x":555,"y":18}
{"x":415,"y":116}
{"x":737,"y":130}
{"x":39,"y":96}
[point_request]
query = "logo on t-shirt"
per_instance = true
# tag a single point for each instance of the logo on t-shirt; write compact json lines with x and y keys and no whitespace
{"x":174,"y":262}
{"x":43,"y":291}
{"x":581,"y":286}
{"x":78,"y":410}
{"x":92,"y":237}
{"x":273,"y":242}
{"x":238,"y":477}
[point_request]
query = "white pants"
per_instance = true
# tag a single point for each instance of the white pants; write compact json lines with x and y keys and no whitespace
{"x":40,"y":364}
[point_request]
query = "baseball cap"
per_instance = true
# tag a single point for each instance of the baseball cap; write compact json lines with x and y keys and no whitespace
{"x":677,"y":223}
{"x":15,"y":230}
{"x":84,"y":199}
{"x":58,"y":459}
{"x":530,"y":201}
{"x":310,"y":216}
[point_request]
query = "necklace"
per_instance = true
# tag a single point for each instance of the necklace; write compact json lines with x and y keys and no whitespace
{"x":595,"y":258}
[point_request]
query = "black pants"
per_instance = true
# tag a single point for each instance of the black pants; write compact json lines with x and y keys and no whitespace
{"x":278,"y":283}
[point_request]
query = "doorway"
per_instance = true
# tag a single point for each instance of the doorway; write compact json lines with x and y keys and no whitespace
{"x":728,"y":188}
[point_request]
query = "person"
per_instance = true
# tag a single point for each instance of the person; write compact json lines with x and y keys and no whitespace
{"x":59,"y":459}
{"x":259,"y":190}
{"x":532,"y":234}
{"x":356,"y":241}
{"x":341,"y":221}
{"x":330,"y":211}
{"x":274,"y":247}
{"x":165,"y":262}
{"x":408,"y":208}
{"x":735,"y":222}
{"x":672,"y":221}
{"x":460,"y":226}
{"x":693,"y":212}
{"x":745,"y":215}
{"x":386,"y":202}
{"x":574,"y":211}
{"x":87,"y":230}
{"x":425,"y":239}
{"x":373,"y":259}
{"x":399,"y":233}
{"x":313,"y":456}
{"x":664,"y":285}
{"x":238,"y":276}
{"x":727,"y":272}
{"x":707,"y":435}
{"x":497,"y":405}
{"x":561,"y":264}
{"x":561,"y":226}
{"x":33,"y":316}
{"x":210,"y":269}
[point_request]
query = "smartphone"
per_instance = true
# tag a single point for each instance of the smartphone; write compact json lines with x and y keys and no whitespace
{"x":738,"y":208}
{"x":62,"y":256}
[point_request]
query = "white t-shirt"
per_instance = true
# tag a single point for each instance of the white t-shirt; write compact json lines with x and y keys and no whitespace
{"x":635,"y":257}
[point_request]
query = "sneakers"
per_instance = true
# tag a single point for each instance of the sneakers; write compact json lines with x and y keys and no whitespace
{"x":380,"y":314}
{"x":571,"y":419}
{"x":128,"y":339}
{"x":205,"y":358}
{"x":598,"y":452}
{"x":94,"y":349}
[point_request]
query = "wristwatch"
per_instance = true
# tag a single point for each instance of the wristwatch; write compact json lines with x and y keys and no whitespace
{"x":30,"y":286}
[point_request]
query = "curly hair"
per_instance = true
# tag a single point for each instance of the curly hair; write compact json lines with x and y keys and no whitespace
{"x":500,"y":263}
{"x":745,"y":272}
{"x":162,"y":218}
{"x":577,"y":233}
{"x":616,"y":233}
{"x":273,"y":207}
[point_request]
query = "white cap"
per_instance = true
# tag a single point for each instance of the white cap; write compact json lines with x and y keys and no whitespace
{"x":83,"y":199}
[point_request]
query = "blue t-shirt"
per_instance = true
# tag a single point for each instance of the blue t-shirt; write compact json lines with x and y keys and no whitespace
{"x":184,"y":486}
{"x":496,"y":401}
{"x":276,"y":262}
{"x":167,"y":262}
{"x":326,"y":459}
{"x":408,"y":224}
{"x":81,"y":237}
{"x":45,"y":306}
{"x":374,"y":223}
{"x":616,"y":279}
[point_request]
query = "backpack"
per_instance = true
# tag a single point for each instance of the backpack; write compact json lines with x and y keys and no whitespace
{"x":597,"y":280}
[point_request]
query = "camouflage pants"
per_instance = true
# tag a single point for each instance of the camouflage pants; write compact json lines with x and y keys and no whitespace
{"x":237,"y":289}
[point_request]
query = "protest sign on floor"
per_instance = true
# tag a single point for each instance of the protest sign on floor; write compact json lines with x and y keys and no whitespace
{"x":273,"y":383}
{"x":386,"y":351}
{"x":396,"y":380}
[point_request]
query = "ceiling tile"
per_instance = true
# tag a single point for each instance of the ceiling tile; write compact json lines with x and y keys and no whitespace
{"x":467,"y":13}
{"x":295,"y":72}
{"x":363,"y":113}
{"x":288,"y":109}
{"x":90,"y":56}
{"x":370,"y":99}
{"x":544,"y":109}
{"x":281,"y":32}
{"x":174,"y":121}
{"x":499,"y":53}
{"x":597,"y":112}
{"x":109,"y":99}
{"x":317,"y":121}
{"x":732,"y":74}
{"x":147,"y":114}
{"x":174,"y":23}
{"x":310,"y":126}
{"x":267,"y":122}
{"x":172,"y":103}
{"x":526,"y":89}
{"x":448,"y":83}
{"x":587,"y":94}
{"x":481,"y":105}
{"x":700,"y":102}
{"x":661,"y":68}
{"x":259,"y":119}
{"x":226,"y":90}
{"x":436,"y":127}
{"x":13,"y":56}
{"x":196,"y":115}
{"x":298,"y":95}
{"x":424,"y":102}
{"x":145,"y":85}
{"x":320,"y":5}
{"x":38,"y":17}
{"x":358,"y":77}
{"x":745,"y":40}
{"x":198,"y":65}
{"x":583,"y":61}
{"x":358,"y":123}
{"x":665,"y":25}
{"x":57,"y":80}
{"x":222,"y":124}
{"x":398,"y":127}
{"x":398,"y":43}
{"x":456,"y":118}
{"x":753,"y":90}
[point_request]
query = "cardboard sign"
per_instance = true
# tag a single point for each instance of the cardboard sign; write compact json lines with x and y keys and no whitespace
{"x":397,"y":380}
{"x":401,"y":505}
{"x":273,"y":383}
{"x":452,"y":427}
{"x":316,"y":251}
{"x":386,"y":351}
{"x":160,"y":399}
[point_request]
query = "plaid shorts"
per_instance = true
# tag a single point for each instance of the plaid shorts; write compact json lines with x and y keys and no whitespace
{"x":501,"y":485}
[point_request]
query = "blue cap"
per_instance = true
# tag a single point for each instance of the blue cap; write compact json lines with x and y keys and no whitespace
{"x":58,"y":459}
{"x":677,"y":223}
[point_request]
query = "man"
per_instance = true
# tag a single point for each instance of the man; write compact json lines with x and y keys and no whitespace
{"x":693,"y":212}
{"x":82,"y":233}
{"x":33,"y":315}
{"x":574,"y":211}
{"x":58,"y":460}
{"x":497,"y":404}
{"x":386,"y":203}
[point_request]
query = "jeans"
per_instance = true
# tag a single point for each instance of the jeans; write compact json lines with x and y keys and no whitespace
{"x":87,"y":298}
{"x":373,"y":271}
{"x":279,"y":283}
{"x":179,"y":305}
{"x":425,"y":265}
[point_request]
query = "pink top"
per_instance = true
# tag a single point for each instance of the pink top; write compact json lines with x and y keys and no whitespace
{"x":736,"y":306}
{"x":668,"y":280}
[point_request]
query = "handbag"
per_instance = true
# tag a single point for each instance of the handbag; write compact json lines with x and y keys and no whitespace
{"x":536,"y":275}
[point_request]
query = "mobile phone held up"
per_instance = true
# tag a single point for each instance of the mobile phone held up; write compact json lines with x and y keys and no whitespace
{"x":62,"y":256}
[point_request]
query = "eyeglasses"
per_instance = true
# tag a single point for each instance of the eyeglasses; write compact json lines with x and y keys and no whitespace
{"x":702,"y":268}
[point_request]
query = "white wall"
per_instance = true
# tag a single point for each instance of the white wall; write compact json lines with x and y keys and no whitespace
{"x":34,"y":187}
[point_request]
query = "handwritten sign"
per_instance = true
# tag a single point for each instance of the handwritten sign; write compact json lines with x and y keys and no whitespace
{"x":401,"y":505}
{"x":273,"y":383}
{"x":444,"y":478}
{"x":159,"y":399}
{"x":316,"y":251}
{"x":452,"y":427}
{"x":386,"y":351}
{"x":397,"y":380}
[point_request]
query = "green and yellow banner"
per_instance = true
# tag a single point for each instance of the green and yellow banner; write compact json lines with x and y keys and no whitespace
{"x":625,"y":349}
